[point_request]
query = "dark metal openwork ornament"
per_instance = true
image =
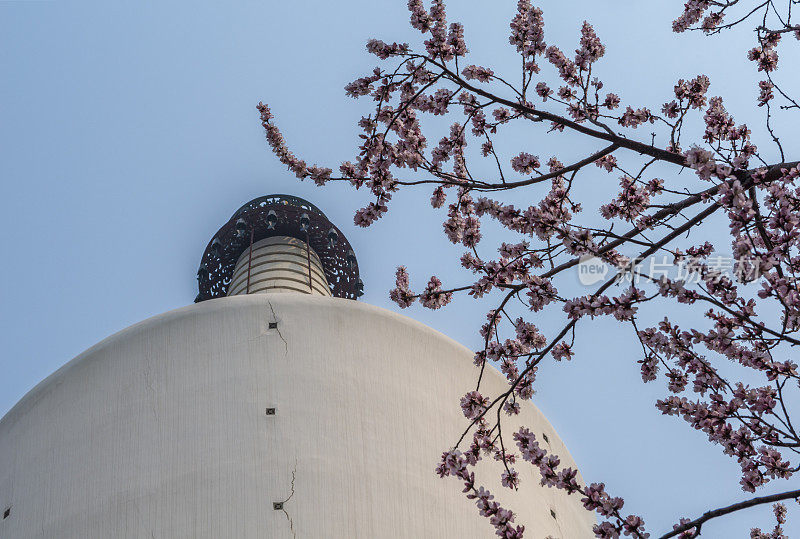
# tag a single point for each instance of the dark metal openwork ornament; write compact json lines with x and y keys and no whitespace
{"x":278,"y":215}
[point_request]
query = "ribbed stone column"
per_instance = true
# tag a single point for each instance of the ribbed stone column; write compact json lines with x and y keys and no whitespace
{"x":279,"y":264}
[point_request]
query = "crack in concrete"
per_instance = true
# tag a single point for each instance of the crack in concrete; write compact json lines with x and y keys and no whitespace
{"x":283,"y":503}
{"x":278,"y":327}
{"x":148,"y":381}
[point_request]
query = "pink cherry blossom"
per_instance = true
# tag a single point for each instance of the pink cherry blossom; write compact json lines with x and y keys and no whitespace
{"x":693,"y":184}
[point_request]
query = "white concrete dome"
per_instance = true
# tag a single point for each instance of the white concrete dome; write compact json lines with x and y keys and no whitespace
{"x":162,"y":431}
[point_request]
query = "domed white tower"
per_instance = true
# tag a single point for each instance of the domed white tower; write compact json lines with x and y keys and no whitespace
{"x":276,"y":407}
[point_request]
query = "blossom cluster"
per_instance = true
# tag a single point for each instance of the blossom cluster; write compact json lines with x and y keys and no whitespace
{"x":753,"y":312}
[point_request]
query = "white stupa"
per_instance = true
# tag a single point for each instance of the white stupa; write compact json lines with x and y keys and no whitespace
{"x":277,"y":406}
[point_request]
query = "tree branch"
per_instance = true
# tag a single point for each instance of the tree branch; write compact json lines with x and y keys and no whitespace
{"x":708,"y":515}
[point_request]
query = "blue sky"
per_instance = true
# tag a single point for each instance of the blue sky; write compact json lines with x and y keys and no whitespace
{"x":129,"y":135}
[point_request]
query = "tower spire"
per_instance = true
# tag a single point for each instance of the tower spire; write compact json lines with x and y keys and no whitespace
{"x":278,"y":243}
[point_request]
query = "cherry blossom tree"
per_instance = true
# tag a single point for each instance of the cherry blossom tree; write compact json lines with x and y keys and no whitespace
{"x":751,"y":306}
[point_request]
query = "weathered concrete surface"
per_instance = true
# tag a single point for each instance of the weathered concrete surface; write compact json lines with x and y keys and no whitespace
{"x":160,"y":431}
